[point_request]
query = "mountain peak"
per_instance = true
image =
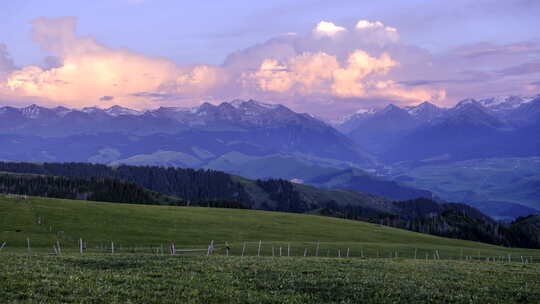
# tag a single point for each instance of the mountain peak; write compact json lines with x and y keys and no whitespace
{"x":426,"y":111}
{"x":391,"y":109}
{"x":32,"y":111}
{"x":505,"y":103}
{"x":467,"y":102}
{"x":426,"y":104}
{"x":239,"y":103}
{"x":91,"y":110}
{"x":118,"y":110}
{"x":366,"y":111}
{"x":470,"y":111}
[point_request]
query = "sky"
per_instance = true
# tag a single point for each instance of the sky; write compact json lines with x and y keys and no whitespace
{"x":328,"y":58}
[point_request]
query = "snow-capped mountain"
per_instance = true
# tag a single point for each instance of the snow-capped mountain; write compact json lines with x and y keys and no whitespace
{"x":425,"y":111}
{"x":118,"y":110}
{"x":426,"y":130}
{"x":375,"y":130}
{"x":495,"y":112}
{"x":471,"y":112}
{"x":248,"y":127}
{"x":350,"y":122}
{"x":505,"y":103}
{"x":37,"y":112}
{"x":237,"y":112}
{"x":526,"y":113}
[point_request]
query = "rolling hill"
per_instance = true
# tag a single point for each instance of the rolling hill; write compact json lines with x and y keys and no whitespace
{"x":176,"y":186}
{"x":44,"y":221}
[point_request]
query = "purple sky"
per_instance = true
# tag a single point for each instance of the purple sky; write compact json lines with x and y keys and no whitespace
{"x":324,"y":57}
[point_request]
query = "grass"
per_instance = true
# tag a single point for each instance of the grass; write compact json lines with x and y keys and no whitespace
{"x":381,"y":268}
{"x":219,"y":279}
{"x":145,"y":228}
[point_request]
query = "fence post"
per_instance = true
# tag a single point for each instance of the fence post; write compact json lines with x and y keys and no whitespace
{"x":279,"y":250}
{"x":210,"y":248}
{"x":347,"y":252}
{"x":81,"y":245}
{"x":305,"y":252}
{"x":3,"y":245}
{"x":58,"y":247}
{"x":317,"y":250}
{"x":244,"y":249}
{"x":289,"y":249}
{"x":259,"y":250}
{"x":28,"y":245}
{"x":112,"y":247}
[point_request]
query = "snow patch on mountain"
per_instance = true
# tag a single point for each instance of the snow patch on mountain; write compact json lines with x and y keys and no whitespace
{"x":505,"y":103}
{"x":32,"y":111}
{"x":118,"y":110}
{"x":240,"y":104}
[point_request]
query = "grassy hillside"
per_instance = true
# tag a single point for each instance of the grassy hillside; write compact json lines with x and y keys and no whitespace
{"x":44,"y":221}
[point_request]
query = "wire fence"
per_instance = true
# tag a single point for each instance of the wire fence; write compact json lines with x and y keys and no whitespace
{"x":276,"y":250}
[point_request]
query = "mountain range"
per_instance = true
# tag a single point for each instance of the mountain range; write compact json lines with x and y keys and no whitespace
{"x":105,"y":135}
{"x":493,"y":127}
{"x":261,"y":141}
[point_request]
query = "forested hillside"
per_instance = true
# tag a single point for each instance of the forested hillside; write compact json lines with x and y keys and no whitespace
{"x":176,"y":186}
{"x":91,"y":189}
{"x":189,"y":184}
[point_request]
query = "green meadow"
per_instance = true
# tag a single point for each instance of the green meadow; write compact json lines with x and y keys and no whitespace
{"x":43,"y":222}
{"x":384,"y":265}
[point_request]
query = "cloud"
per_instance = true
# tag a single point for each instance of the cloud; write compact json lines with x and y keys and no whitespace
{"x":490,"y":49}
{"x":85,"y":71}
{"x":106,"y":98}
{"x":329,"y":63}
{"x":526,"y":68}
{"x":329,"y":70}
{"x":327,"y":29}
{"x":306,"y":73}
{"x":377,"y":32}
{"x":332,"y":63}
{"x":347,"y":80}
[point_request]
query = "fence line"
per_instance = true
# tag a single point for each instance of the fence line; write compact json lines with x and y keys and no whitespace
{"x":276,"y":249}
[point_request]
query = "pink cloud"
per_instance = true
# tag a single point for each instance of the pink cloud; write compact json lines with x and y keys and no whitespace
{"x":330,"y":70}
{"x":90,"y":70}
